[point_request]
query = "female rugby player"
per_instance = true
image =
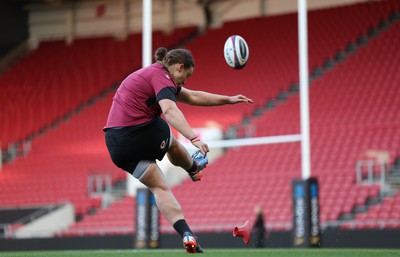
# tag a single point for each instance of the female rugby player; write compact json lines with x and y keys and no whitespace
{"x":136,"y":135}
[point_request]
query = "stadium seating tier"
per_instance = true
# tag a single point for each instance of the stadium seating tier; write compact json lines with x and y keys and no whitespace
{"x":353,"y":109}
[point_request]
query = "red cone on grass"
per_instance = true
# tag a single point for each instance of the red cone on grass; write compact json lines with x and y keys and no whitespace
{"x":243,"y":232}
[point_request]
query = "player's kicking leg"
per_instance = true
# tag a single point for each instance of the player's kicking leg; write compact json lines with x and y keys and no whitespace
{"x":194,"y":165}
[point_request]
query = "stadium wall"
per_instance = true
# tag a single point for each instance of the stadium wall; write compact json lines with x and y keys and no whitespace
{"x":122,"y":17}
{"x":13,"y":36}
{"x":49,"y":224}
{"x":331,"y":238}
{"x":13,"y":26}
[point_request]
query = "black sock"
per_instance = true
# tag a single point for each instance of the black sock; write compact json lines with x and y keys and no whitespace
{"x":181,"y":227}
{"x":193,"y":168}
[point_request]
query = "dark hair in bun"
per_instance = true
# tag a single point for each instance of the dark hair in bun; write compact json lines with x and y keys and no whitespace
{"x":160,"y":54}
{"x":174,"y":56}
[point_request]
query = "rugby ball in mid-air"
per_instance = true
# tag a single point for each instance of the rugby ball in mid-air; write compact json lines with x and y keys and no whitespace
{"x":236,"y":52}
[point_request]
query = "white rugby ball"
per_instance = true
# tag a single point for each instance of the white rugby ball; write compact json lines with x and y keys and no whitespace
{"x":236,"y":52}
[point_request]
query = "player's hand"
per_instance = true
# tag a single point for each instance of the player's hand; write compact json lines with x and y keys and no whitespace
{"x":203,"y":147}
{"x":239,"y":99}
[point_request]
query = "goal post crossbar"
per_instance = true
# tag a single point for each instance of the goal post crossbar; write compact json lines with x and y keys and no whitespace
{"x":251,"y":141}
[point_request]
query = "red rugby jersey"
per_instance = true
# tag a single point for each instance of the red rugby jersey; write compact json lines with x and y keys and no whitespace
{"x":136,"y":99}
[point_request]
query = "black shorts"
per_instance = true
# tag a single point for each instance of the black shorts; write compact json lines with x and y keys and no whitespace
{"x":130,"y":145}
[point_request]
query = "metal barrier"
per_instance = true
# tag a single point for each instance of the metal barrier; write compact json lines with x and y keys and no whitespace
{"x":370,"y":166}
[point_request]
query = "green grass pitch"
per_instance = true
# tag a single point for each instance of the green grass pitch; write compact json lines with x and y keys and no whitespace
{"x":213,"y":253}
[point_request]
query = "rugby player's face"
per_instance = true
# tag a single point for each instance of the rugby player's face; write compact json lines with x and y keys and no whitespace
{"x":180,"y":74}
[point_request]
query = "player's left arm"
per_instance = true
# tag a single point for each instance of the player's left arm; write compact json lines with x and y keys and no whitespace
{"x":202,"y":98}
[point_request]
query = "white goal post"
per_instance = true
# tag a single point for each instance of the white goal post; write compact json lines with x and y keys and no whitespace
{"x":304,"y":136}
